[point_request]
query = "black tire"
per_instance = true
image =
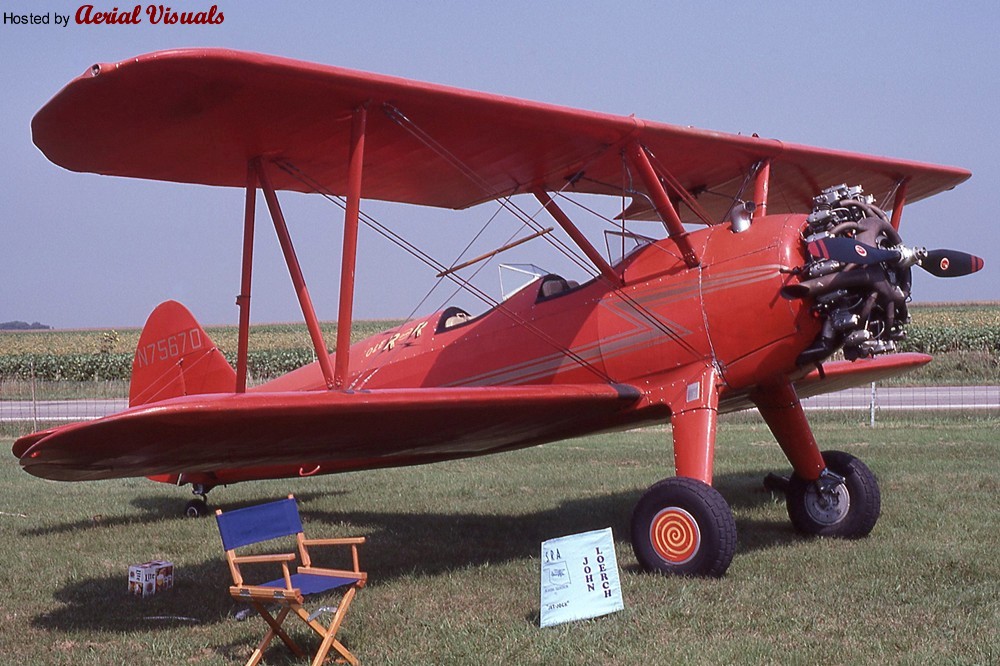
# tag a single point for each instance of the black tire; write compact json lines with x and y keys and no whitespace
{"x":849,"y":511}
{"x":196,"y":508}
{"x":683,"y":527}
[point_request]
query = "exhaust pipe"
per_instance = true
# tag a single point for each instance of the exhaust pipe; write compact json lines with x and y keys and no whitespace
{"x":822,"y":285}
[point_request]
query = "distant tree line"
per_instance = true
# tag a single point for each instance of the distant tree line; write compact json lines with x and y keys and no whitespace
{"x":23,"y":326}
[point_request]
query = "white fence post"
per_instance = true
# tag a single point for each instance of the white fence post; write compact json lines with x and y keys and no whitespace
{"x":871,"y":408}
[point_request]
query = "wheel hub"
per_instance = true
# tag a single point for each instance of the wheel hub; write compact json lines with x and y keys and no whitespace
{"x":675,"y":535}
{"x":827,"y":503}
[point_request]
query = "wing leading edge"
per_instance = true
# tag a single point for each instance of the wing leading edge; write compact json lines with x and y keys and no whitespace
{"x":198,"y":115}
{"x":840,"y":375}
{"x":206,"y":433}
{"x":837,"y":376}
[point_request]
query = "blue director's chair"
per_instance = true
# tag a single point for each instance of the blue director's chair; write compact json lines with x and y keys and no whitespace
{"x":264,"y":522}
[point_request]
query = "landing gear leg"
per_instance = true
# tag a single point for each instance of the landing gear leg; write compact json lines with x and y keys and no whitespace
{"x":780,"y":407}
{"x":197,"y":508}
{"x":830,"y":493}
{"x":683,"y":525}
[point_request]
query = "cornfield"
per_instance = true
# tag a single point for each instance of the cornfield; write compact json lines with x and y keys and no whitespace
{"x":103,"y":355}
{"x":954,"y":328}
{"x":967,"y":337}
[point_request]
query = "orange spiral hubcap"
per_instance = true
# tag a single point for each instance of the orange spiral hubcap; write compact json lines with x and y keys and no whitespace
{"x":675,"y":535}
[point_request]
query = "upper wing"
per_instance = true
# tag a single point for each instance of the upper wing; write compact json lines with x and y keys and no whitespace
{"x":343,"y":431}
{"x":198,"y":115}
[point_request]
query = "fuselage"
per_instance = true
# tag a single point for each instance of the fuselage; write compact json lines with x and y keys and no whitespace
{"x":726,"y":312}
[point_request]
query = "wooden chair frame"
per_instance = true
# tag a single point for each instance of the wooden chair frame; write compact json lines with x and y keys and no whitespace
{"x":288,"y":592}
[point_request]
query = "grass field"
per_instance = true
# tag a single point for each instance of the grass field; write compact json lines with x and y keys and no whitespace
{"x":453,"y":560}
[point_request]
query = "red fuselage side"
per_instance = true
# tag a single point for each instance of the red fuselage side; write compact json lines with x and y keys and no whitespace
{"x":726,"y":311}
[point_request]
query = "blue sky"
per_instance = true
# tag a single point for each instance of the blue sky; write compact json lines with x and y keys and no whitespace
{"x":887,"y":78}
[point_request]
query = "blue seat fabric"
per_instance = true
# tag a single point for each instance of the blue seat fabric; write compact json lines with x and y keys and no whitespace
{"x":253,"y":524}
{"x":311,"y":583}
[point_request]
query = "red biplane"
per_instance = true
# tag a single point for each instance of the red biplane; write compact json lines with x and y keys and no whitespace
{"x":767,"y":267}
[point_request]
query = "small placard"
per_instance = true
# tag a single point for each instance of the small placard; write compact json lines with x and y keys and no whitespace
{"x":579,"y":578}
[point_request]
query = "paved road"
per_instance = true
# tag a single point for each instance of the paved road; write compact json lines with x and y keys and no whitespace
{"x":58,"y":410}
{"x":913,"y":398}
{"x":910,"y":398}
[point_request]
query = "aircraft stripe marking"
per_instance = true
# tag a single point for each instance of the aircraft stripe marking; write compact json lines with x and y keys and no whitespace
{"x":643,"y":335}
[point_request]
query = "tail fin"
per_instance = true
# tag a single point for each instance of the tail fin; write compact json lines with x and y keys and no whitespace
{"x":176,"y":357}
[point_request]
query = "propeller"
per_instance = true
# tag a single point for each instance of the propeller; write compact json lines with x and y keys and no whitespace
{"x":942,"y":263}
{"x":949,"y":263}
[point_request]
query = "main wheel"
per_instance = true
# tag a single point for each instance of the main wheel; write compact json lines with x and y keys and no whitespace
{"x":848,"y":510}
{"x":685,"y":527}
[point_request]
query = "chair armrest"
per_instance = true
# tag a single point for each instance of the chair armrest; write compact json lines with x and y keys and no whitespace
{"x":360,"y":576}
{"x":276,"y":557}
{"x":353,"y":542}
{"x":339,"y":573}
{"x":343,"y":541}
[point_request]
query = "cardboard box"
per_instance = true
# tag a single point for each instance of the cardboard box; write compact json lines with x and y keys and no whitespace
{"x":148,"y":578}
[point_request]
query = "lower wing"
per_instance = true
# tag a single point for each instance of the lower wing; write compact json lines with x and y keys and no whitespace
{"x":837,"y":376}
{"x":840,"y":375}
{"x":204,"y":433}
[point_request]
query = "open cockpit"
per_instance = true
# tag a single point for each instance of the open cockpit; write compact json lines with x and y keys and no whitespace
{"x":546,"y":287}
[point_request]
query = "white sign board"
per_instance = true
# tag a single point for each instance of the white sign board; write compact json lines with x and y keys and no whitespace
{"x":579,"y":578}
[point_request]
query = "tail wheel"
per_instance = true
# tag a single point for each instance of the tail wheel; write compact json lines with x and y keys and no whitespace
{"x":847,"y":508}
{"x":196,"y":508}
{"x":685,"y":527}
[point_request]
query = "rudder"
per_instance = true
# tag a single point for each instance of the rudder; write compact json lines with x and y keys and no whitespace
{"x":175,"y":357}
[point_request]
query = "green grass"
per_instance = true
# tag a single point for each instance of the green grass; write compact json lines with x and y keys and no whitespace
{"x":453,"y":560}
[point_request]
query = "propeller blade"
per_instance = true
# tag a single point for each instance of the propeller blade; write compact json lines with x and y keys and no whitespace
{"x":850,"y":251}
{"x":950,"y":263}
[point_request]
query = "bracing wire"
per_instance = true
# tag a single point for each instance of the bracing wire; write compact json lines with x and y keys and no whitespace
{"x":395,"y":238}
{"x":526,"y":219}
{"x":640,"y":309}
{"x":421,"y":135}
{"x":681,"y":191}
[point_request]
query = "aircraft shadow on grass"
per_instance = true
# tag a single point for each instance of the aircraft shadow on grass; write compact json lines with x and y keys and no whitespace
{"x":399,"y":545}
{"x":157,"y":509}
